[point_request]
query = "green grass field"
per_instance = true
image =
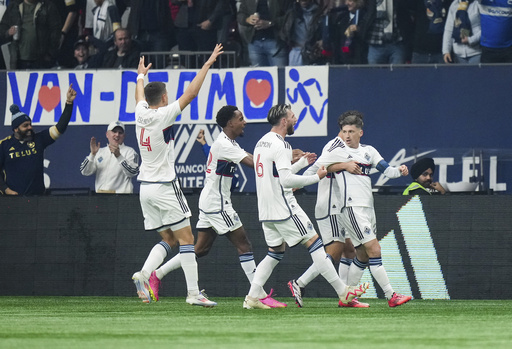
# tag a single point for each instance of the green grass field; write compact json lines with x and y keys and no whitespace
{"x":101,"y":322}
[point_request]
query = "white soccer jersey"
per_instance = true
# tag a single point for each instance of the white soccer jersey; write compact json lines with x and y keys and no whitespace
{"x":225,"y":154}
{"x":328,"y":199}
{"x":356,"y":190}
{"x":274,"y":179}
{"x":155,"y":138}
{"x":112,"y":174}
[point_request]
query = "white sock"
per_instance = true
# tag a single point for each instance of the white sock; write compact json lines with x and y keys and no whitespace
{"x":248,"y":265}
{"x":189,"y":266}
{"x":324,"y":266}
{"x":355,"y":272}
{"x":309,"y":275}
{"x":172,"y":264}
{"x":263,"y":272}
{"x":381,"y":276}
{"x":156,"y":256}
{"x":343,"y":269}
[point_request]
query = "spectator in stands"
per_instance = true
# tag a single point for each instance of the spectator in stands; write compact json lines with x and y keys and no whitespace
{"x":106,"y":19}
{"x":151,"y":24}
{"x":114,"y":165}
{"x":347,"y":32}
{"x":496,"y":25}
{"x":429,"y":22}
{"x":68,"y":11}
{"x":462,"y":33}
{"x":34,"y":35}
{"x":197,"y":23}
{"x":260,"y":23}
{"x":390,"y":28}
{"x":422,"y":173}
{"x":302,"y":31}
{"x":124,"y":54}
{"x":22,"y":153}
{"x":83,"y":57}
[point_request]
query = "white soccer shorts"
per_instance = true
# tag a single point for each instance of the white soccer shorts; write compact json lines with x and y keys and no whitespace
{"x":331,"y":229}
{"x":294,"y":230}
{"x":222,"y":222}
{"x":360,"y":224}
{"x":163,"y":204}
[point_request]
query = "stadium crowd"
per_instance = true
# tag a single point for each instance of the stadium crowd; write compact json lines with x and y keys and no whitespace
{"x":82,"y":34}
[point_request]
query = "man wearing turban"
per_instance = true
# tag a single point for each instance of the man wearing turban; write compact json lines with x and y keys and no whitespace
{"x":422,"y":173}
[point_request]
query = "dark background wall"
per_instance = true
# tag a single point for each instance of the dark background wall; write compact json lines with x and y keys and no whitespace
{"x":91,"y":245}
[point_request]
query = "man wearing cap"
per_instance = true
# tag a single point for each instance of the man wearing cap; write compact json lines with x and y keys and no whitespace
{"x":22,"y":153}
{"x":422,"y":173}
{"x":114,"y":165}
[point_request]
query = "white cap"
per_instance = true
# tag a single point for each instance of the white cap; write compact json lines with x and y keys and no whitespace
{"x":115,"y":124}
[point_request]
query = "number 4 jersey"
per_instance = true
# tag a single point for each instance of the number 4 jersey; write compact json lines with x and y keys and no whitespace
{"x":155,"y":138}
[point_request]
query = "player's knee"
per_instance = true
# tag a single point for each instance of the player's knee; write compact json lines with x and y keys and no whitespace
{"x":202,"y":251}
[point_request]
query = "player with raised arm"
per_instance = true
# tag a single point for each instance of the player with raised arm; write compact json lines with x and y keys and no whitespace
{"x":358,"y":215}
{"x":164,"y":206}
{"x":283,"y":220}
{"x":216,"y":213}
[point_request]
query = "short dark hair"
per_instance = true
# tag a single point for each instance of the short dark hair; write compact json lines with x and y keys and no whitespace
{"x":154,"y":92}
{"x":277,"y":112}
{"x":351,"y":117}
{"x":225,"y":114}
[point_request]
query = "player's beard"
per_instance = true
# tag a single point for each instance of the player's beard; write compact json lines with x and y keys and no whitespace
{"x":291,"y":130}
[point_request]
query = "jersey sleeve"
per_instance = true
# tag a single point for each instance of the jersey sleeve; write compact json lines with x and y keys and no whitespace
{"x":170,"y":113}
{"x":88,"y":166}
{"x":234,"y":154}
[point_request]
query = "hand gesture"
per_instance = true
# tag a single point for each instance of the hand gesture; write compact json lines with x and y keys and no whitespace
{"x":437,"y":186}
{"x":142,"y":69}
{"x":216,"y":52}
{"x":200,"y":137}
{"x":296,"y":155}
{"x":322,"y":172}
{"x":71,"y":95}
{"x":404,"y":171}
{"x":114,"y":149}
{"x":94,"y":146}
{"x":310,"y":157}
{"x":353,"y":167}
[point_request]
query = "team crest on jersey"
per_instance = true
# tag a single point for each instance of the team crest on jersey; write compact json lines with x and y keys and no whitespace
{"x":31,"y":144}
{"x":310,"y":226}
{"x":367,"y":157}
{"x":367,"y":230}
{"x":100,"y":159}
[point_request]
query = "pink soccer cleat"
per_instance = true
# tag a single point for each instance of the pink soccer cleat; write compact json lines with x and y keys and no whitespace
{"x":398,"y":299}
{"x":271,"y":302}
{"x":154,"y":286}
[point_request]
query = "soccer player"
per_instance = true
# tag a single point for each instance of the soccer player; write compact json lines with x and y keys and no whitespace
{"x":216,"y":213}
{"x":338,"y":247}
{"x":164,"y":206}
{"x":283,"y":220}
{"x":358,"y":215}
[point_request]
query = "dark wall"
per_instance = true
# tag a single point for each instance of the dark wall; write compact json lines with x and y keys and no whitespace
{"x":91,"y":245}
